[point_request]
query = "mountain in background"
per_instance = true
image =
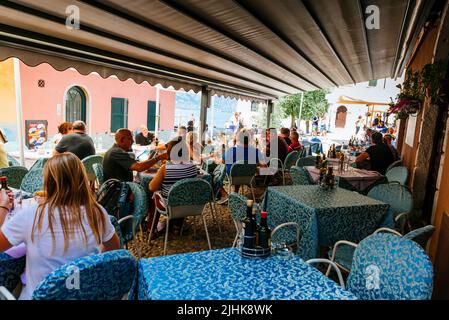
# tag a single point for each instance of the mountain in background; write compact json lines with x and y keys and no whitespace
{"x":188,"y":104}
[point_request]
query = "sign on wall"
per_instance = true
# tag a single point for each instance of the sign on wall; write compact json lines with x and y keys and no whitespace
{"x":411,"y":127}
{"x":35,"y":133}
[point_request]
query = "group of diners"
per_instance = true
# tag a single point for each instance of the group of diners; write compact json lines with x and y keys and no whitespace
{"x":381,"y":154}
{"x":67,"y":222}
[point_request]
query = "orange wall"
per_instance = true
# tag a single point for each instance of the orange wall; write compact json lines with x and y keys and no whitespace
{"x":441,"y":206}
{"x":7,"y":93}
{"x":423,"y":55}
{"x":41,"y":103}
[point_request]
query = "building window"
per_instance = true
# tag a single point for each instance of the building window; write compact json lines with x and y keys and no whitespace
{"x":372,"y":83}
{"x":254,"y":106}
{"x":75,"y":105}
{"x":119,"y":114}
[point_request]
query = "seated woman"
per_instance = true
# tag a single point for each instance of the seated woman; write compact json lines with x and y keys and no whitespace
{"x":379,"y":155}
{"x":64,"y":128}
{"x":177,"y":168}
{"x":194,"y":147}
{"x":67,"y":224}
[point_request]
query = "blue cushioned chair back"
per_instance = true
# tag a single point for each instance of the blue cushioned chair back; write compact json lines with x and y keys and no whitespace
{"x":10,"y":271}
{"x":118,"y":230}
{"x":15,"y":175}
{"x":300,"y":176}
{"x":316,"y":147}
{"x":218,"y":177}
{"x":421,"y":235}
{"x":12,"y":161}
{"x":190,"y":192}
{"x":274,"y":166}
{"x":395,"y":164}
{"x":105,"y":276}
{"x":241,"y":169}
{"x":302,"y":152}
{"x":398,"y":174}
{"x":291,"y":159}
{"x":237,"y":206}
{"x":306,"y":162}
{"x":388,"y":267}
{"x":89,"y":161}
{"x":33,"y":181}
{"x":141,"y":203}
{"x":397,"y":196}
{"x":39,"y":164}
{"x":209,"y":166}
{"x":98,"y":169}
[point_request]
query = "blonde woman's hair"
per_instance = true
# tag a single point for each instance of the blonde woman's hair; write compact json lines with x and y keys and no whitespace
{"x":67,"y":189}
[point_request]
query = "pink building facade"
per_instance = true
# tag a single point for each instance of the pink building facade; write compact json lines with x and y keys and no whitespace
{"x":45,"y":97}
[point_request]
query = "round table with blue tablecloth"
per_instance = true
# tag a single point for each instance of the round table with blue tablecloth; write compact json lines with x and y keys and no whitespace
{"x":225,"y":275}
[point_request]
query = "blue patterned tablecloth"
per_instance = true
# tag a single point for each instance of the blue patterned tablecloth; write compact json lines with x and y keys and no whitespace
{"x":225,"y":275}
{"x":325,"y":216}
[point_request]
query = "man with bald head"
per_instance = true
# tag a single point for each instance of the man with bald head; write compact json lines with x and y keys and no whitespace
{"x":118,"y":163}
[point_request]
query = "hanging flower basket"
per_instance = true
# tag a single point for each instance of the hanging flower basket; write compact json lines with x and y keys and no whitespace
{"x":405,"y":106}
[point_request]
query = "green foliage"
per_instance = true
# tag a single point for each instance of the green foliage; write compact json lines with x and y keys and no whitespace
{"x":424,"y":83}
{"x":261,"y":119}
{"x":315,"y":103}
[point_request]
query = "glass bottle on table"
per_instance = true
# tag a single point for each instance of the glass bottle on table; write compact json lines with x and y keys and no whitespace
{"x":264,"y":232}
{"x":4,"y":186}
{"x":257,"y":227}
{"x":249,"y":227}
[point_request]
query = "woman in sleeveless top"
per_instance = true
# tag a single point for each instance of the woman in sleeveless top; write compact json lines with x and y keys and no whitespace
{"x":177,"y":168}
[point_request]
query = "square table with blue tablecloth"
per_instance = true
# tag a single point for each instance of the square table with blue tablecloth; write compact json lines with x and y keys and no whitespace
{"x":225,"y":275}
{"x":325,"y":216}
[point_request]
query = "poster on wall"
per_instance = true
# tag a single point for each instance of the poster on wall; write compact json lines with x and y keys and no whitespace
{"x":411,"y":126}
{"x":35,"y":133}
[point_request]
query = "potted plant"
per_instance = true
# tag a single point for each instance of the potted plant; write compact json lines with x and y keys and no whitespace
{"x":417,"y":86}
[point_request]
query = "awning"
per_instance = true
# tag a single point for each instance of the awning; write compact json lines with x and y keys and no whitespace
{"x":239,"y":48}
{"x":349,"y":100}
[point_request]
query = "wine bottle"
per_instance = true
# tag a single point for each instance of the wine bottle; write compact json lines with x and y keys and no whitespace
{"x":318,"y":161}
{"x":264,"y":231}
{"x":249,"y":227}
{"x":4,"y":185}
{"x":256,"y":227}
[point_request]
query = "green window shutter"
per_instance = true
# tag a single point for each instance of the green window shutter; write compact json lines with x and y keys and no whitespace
{"x":151,"y":116}
{"x":372,"y":83}
{"x":119,"y":114}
